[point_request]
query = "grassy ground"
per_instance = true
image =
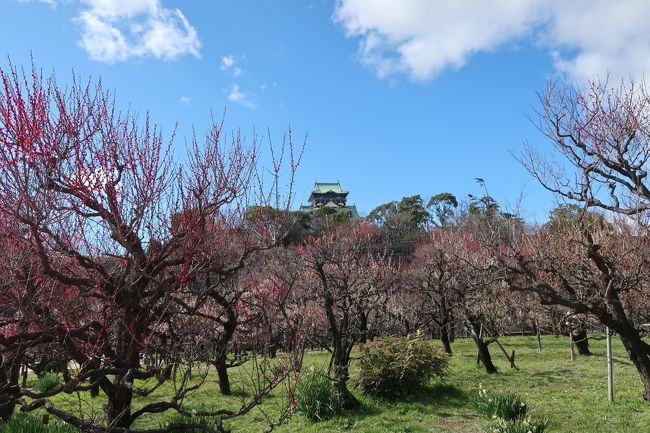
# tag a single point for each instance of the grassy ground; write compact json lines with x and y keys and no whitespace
{"x":572,"y":395}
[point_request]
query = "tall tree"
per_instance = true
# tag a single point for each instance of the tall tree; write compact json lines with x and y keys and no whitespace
{"x":566,"y":220}
{"x":87,"y":191}
{"x":349,"y":276}
{"x":433,"y":277}
{"x":603,"y":134}
{"x":401,"y":223}
{"x":442,"y":206}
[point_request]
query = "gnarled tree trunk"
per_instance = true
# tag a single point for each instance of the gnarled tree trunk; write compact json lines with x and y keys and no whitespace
{"x":581,"y":341}
{"x":444,"y":337}
{"x":483,"y":351}
{"x":220,"y":363}
{"x":341,"y":377}
{"x":639,"y":353}
{"x":222,"y":374}
{"x":342,"y":345}
{"x":363,"y":326}
{"x":9,"y":375}
{"x":445,"y":324}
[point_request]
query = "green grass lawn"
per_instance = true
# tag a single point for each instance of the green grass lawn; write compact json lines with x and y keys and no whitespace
{"x":572,"y":395}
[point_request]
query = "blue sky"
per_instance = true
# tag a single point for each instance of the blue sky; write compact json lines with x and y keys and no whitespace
{"x":397,"y":98}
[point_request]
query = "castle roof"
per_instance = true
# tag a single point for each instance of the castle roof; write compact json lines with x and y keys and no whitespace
{"x":329,"y":195}
{"x":325,"y":187}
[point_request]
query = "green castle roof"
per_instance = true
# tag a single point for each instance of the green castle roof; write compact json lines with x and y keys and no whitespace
{"x":327,"y":188}
{"x":323,"y":187}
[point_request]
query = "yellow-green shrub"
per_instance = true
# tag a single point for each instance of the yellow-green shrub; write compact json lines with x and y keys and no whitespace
{"x":393,"y":366}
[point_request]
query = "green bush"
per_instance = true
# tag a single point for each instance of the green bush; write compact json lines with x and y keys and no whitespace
{"x":24,"y":423}
{"x":508,"y":412}
{"x":316,"y":397}
{"x":505,"y":406}
{"x":525,"y":425}
{"x":392,"y":366}
{"x":48,"y":381}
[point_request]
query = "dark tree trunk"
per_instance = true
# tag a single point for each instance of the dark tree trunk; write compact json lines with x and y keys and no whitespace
{"x":482,"y":348}
{"x":229,"y":327}
{"x":451,"y":328}
{"x":7,"y":405}
{"x":272,"y":350}
{"x":581,"y":341}
{"x":119,"y":392}
{"x":639,"y":353}
{"x":445,"y":314}
{"x":637,"y":349}
{"x":342,"y":340}
{"x":92,"y":365}
{"x":118,"y":408}
{"x":363,"y":327}
{"x":341,"y":377}
{"x":9,"y":376}
{"x":444,"y":336}
{"x":407,"y":327}
{"x":484,"y":355}
{"x":222,"y":373}
{"x":348,"y":401}
{"x":642,"y":364}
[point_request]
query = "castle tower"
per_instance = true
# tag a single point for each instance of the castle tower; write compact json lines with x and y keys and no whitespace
{"x":329,"y":195}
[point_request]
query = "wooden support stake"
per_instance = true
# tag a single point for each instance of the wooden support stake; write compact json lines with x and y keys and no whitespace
{"x":478,"y":354}
{"x":511,"y":359}
{"x":610,"y":367}
{"x":539,"y":338}
{"x":573,"y":355}
{"x":24,"y":374}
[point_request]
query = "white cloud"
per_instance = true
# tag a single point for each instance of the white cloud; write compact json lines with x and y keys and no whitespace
{"x":115,"y":30}
{"x":601,"y":36}
{"x":242,"y":98}
{"x":235,"y":94}
{"x":421,"y":38}
{"x":265,"y":86}
{"x":228,"y":64}
{"x":185,"y":100}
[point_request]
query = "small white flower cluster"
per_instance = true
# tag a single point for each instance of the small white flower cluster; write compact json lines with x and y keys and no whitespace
{"x":518,"y":425}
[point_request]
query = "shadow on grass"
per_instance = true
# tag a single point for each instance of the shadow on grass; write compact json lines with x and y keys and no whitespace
{"x":346,"y":419}
{"x":365,"y":409}
{"x":555,"y":375}
{"x":236,"y":393}
{"x":439,"y":395}
{"x":617,"y":359}
{"x":443,"y":399}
